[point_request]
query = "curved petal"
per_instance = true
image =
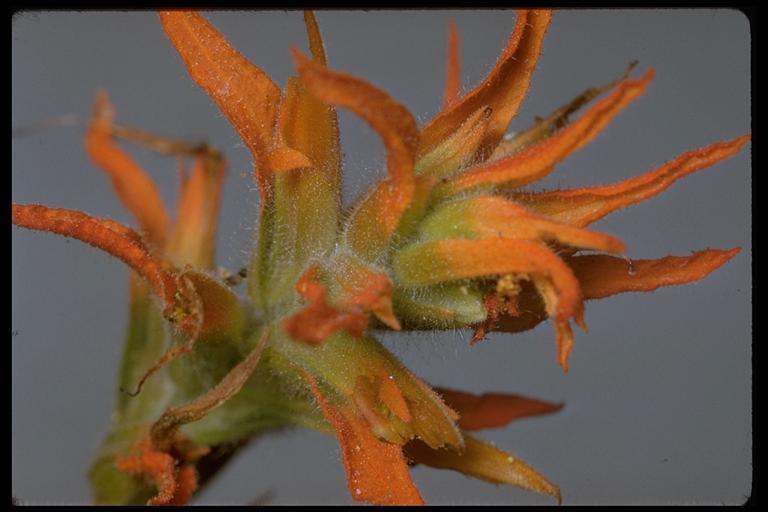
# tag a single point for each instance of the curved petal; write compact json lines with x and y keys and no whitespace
{"x":503,"y":89}
{"x":133,"y":186}
{"x":453,"y":69}
{"x":390,"y":119}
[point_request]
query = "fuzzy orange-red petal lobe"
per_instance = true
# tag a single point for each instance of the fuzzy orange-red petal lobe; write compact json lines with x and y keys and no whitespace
{"x":246,"y":96}
{"x":376,"y":470}
{"x":120,"y":241}
{"x":602,"y":276}
{"x":503,"y":89}
{"x":493,"y":410}
{"x":537,"y":161}
{"x":315,"y":39}
{"x":318,"y":320}
{"x":133,"y":186}
{"x":583,"y":206}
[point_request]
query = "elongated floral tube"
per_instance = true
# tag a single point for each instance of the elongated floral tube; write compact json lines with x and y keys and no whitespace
{"x":193,"y":236}
{"x":493,"y":216}
{"x":486,"y":462}
{"x":376,"y":470}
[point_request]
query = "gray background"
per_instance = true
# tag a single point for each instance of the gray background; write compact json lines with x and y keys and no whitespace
{"x":658,"y":396}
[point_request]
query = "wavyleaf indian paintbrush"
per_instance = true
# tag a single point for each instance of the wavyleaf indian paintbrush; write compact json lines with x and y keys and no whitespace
{"x":452,"y":238}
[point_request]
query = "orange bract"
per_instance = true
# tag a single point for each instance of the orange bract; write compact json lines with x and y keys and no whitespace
{"x":242,"y":91}
{"x":376,"y":470}
{"x":119,"y":241}
{"x":133,"y":186}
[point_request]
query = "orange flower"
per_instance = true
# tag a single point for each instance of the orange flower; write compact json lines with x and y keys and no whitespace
{"x":450,"y":238}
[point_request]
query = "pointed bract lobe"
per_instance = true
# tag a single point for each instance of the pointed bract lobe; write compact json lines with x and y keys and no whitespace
{"x":376,"y":470}
{"x":535,"y":162}
{"x":133,"y":186}
{"x":544,"y":128}
{"x":583,"y":206}
{"x":503,"y":89}
{"x":246,"y":96}
{"x":316,"y":46}
{"x":484,"y":461}
{"x":602,"y":276}
{"x":453,"y":70}
{"x":493,"y":410}
{"x":392,"y":121}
